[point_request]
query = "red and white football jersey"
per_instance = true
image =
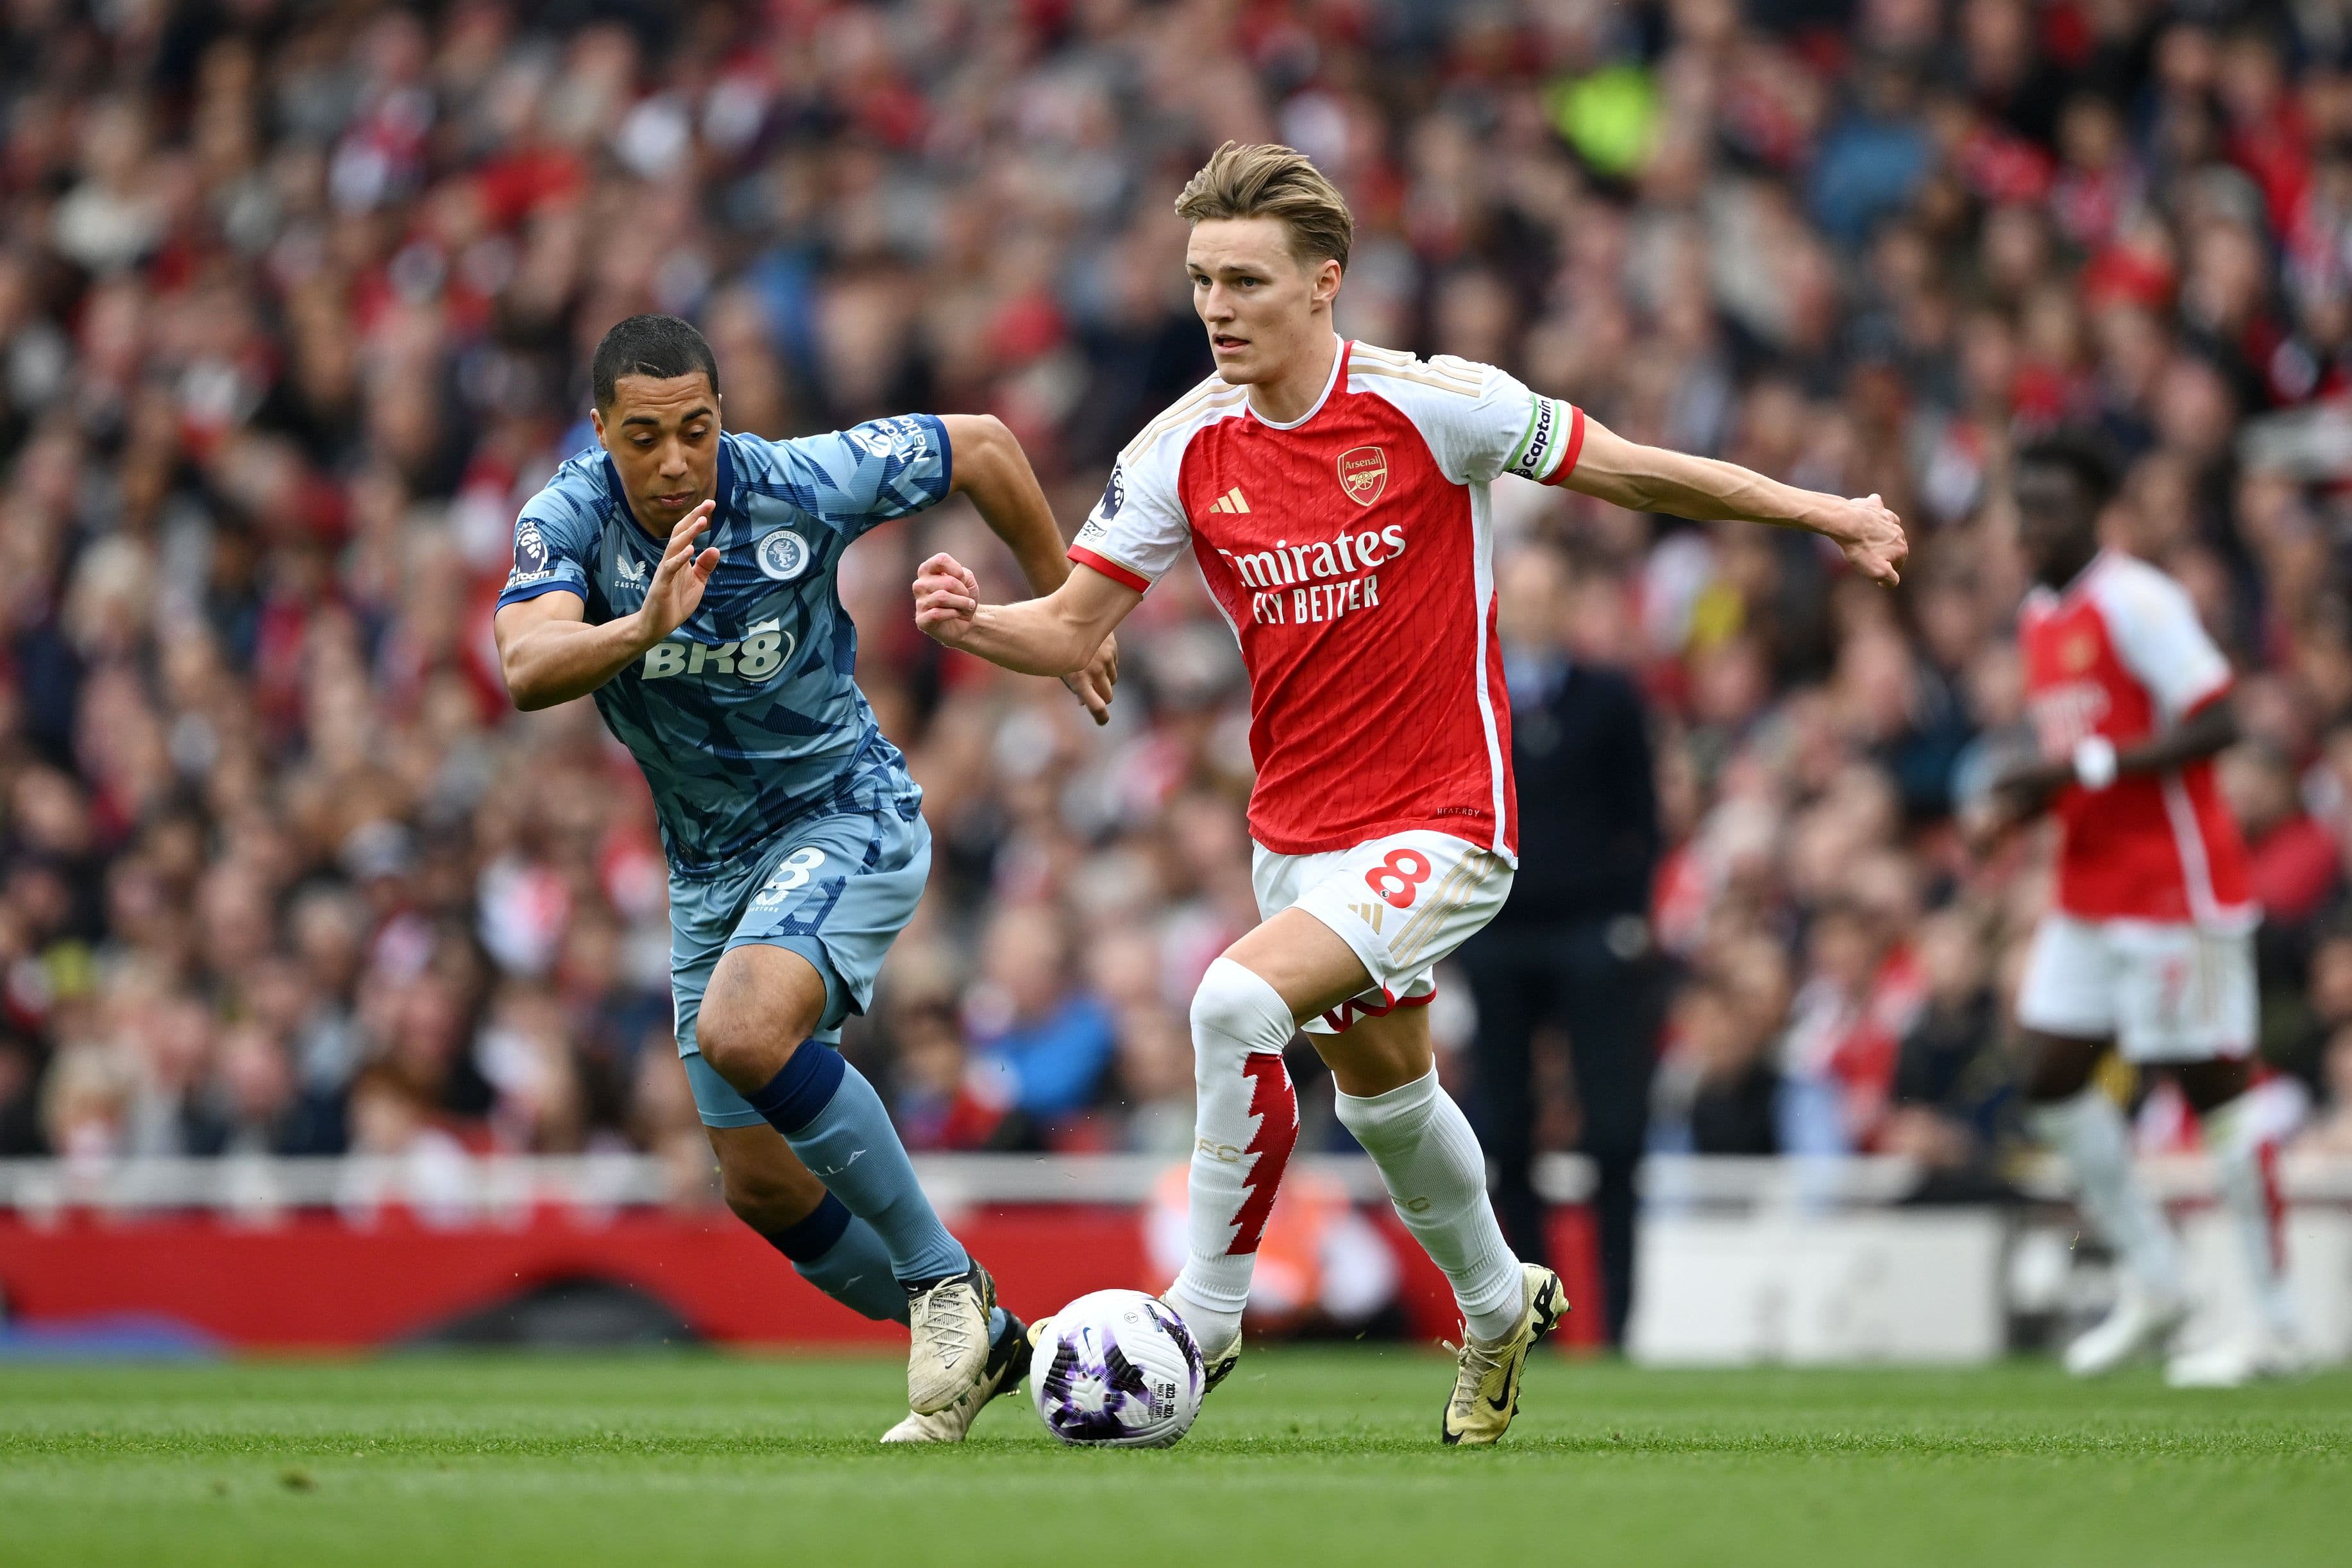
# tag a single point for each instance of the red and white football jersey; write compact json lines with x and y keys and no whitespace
{"x":1353,"y":552}
{"x":2120,"y":653}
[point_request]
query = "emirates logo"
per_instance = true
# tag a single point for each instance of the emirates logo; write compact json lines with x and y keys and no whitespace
{"x":1363,"y":474}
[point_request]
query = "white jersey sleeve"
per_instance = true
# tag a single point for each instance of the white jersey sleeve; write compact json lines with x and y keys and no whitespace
{"x":2153,"y":624}
{"x":1139,"y":529}
{"x":1480,"y":423}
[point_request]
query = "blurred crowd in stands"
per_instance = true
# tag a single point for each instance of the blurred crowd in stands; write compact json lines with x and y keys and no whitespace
{"x":295,"y":304}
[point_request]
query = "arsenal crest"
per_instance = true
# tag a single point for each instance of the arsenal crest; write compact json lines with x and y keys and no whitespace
{"x":1363,"y":474}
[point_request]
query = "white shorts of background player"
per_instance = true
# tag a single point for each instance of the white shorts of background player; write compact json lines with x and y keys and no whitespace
{"x":2163,"y":990}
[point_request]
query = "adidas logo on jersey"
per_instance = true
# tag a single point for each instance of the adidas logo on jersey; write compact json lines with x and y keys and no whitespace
{"x":1231,"y":501}
{"x":1369,"y":914}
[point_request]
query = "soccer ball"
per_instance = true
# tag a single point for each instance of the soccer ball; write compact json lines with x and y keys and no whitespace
{"x":1116,"y":1370}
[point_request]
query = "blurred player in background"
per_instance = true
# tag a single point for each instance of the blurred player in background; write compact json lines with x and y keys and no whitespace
{"x":2151,"y":947}
{"x":1336,"y":497}
{"x":686,"y":579}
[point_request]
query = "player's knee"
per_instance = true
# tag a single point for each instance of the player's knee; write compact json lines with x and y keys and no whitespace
{"x":1366,"y":1063}
{"x":1235,"y":1008}
{"x":747,"y":1044}
{"x":2058,"y":1068}
{"x":748,"y":1030}
{"x":727,"y":1037}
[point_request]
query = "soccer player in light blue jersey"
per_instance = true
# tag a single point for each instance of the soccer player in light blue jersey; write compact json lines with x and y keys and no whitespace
{"x":686,"y":577}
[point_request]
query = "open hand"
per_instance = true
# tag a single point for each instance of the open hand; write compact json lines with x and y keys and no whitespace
{"x":675,"y":592}
{"x":1872,"y":538}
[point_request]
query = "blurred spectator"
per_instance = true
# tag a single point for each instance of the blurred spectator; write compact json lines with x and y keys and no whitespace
{"x":1571,"y":950}
{"x":170,"y":1041}
{"x":664,"y":1122}
{"x":2330,"y":1131}
{"x":1953,"y":1081}
{"x":259,"y":1107}
{"x":1846,"y":1024}
{"x":88,"y":1100}
{"x":20,"y":1117}
{"x":405,"y":1159}
{"x":1032,"y":1021}
{"x":2295,"y":864}
{"x":1733,"y":1104}
{"x":1155,"y":1075}
{"x":946,"y":1100}
{"x":2326,"y":1008}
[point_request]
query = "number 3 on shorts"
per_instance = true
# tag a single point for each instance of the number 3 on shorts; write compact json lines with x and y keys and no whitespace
{"x":1397,"y":878}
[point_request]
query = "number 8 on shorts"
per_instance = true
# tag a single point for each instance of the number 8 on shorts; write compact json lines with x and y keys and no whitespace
{"x":1397,"y":878}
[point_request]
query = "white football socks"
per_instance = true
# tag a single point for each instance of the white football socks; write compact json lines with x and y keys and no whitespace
{"x":1436,"y":1175}
{"x":2243,"y":1152}
{"x":2089,"y":1130}
{"x":1244,"y":1122}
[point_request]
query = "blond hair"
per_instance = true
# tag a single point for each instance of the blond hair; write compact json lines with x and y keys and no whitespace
{"x":1268,"y":181}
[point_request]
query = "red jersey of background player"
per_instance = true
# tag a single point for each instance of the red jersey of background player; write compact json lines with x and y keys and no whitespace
{"x":2121,"y":653}
{"x":1353,"y":552}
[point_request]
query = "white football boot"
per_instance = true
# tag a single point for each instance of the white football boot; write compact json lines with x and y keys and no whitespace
{"x":2140,"y":1323}
{"x":2238,"y":1360}
{"x":1008,"y":1363}
{"x":949,"y":1352}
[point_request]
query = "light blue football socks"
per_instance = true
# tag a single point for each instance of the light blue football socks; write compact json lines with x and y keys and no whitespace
{"x":836,"y":1122}
{"x":840,"y":1254}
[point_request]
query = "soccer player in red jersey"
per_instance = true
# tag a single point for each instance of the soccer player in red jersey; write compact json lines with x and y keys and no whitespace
{"x":1336,"y":497}
{"x":2149,"y":946}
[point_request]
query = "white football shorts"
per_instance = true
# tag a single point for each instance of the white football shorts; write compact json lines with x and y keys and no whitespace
{"x":2163,"y":991}
{"x":1403,"y":902}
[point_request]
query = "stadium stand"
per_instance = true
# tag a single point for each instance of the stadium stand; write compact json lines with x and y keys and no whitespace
{"x":294,"y":306}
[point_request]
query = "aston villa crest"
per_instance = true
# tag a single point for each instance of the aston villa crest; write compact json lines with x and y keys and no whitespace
{"x":782,"y":555}
{"x":1363,"y":474}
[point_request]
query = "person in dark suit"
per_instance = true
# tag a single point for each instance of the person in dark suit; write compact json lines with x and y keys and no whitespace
{"x":1571,"y":947}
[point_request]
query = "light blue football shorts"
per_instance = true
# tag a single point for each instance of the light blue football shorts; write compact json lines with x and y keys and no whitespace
{"x":836,"y":889}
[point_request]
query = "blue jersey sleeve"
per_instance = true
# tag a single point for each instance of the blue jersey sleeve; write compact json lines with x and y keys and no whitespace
{"x":554,"y":546}
{"x":870,"y":473}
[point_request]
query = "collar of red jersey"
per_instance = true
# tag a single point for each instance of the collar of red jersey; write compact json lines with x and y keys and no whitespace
{"x":1338,"y":364}
{"x":2077,"y":583}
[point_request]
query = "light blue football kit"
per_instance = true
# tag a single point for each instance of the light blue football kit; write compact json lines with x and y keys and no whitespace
{"x":786,"y":817}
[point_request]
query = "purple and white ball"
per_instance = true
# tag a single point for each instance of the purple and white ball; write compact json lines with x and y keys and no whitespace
{"x":1116,"y":1370}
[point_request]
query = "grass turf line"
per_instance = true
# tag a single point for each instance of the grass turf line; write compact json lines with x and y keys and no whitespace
{"x":1303,"y":1457}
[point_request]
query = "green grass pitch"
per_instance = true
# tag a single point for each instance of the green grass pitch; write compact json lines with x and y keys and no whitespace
{"x":1305,"y":1458}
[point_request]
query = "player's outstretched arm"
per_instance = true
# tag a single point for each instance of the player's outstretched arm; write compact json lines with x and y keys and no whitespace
{"x":989,"y":467}
{"x":548,"y":653}
{"x":1706,"y":489}
{"x":1054,"y":636}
